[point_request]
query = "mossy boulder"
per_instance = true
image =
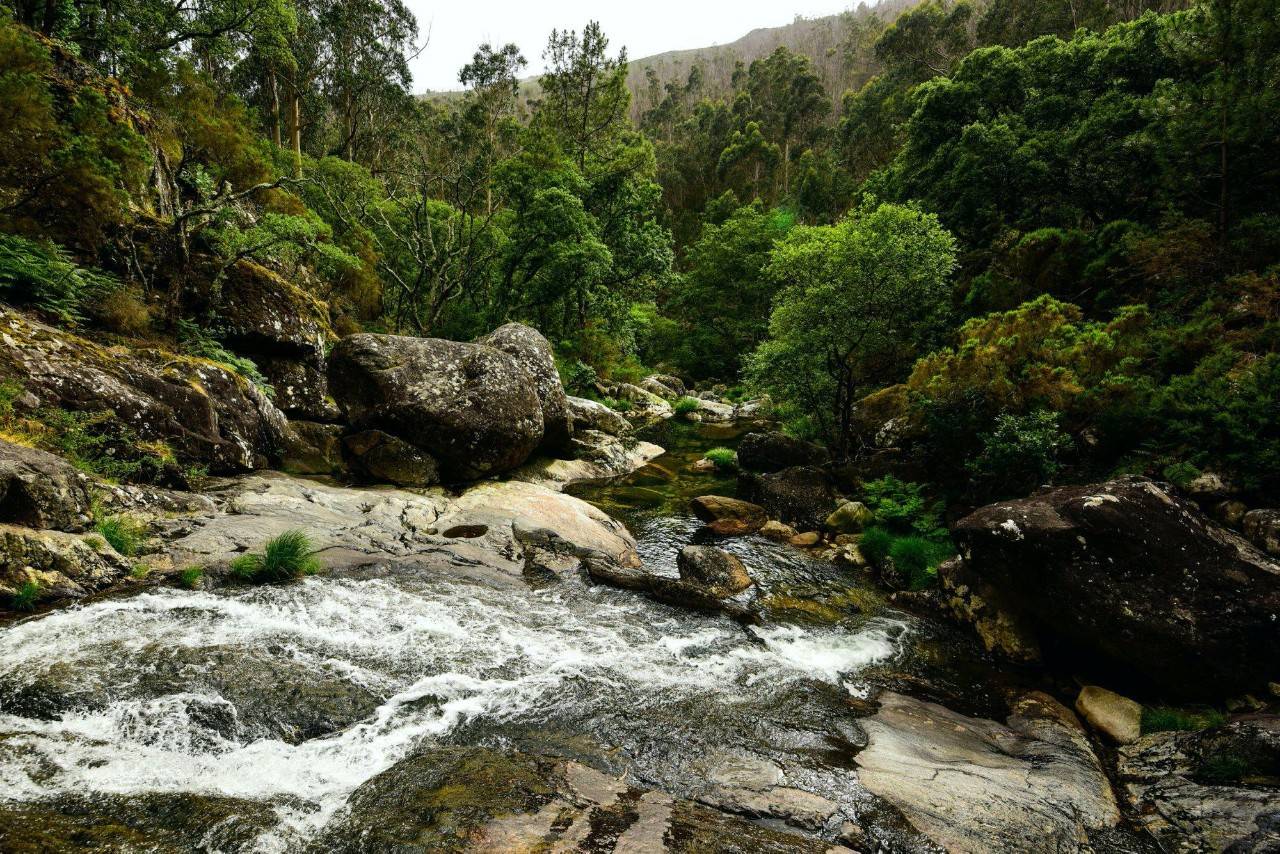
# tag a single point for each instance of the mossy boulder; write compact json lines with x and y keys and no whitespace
{"x":54,"y":565}
{"x":42,"y":490}
{"x":535,"y":355}
{"x":850,"y":517}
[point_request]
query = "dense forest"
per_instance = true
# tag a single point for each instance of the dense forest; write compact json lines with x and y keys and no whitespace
{"x":1040,"y":239}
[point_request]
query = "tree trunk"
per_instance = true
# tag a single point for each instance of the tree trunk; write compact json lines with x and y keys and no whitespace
{"x":273,"y":90}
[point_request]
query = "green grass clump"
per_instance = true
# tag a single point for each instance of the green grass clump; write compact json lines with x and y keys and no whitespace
{"x":190,"y":577}
{"x":1224,"y":768}
{"x":685,"y":405}
{"x":1160,"y":719}
{"x":139,"y":571}
{"x":26,"y":596}
{"x":724,"y":459}
{"x":125,"y":534}
{"x":284,"y":558}
{"x":875,"y":544}
{"x":917,"y":559}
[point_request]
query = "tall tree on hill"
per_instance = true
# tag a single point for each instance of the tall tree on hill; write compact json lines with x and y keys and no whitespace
{"x":585,"y":96}
{"x":790,"y":101}
{"x":493,"y":80}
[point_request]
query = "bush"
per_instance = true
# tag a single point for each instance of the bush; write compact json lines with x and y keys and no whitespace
{"x":724,"y":459}
{"x":284,"y":558}
{"x":917,"y":559}
{"x":26,"y":596}
{"x":1177,"y":720}
{"x":190,"y":578}
{"x":124,"y":533}
{"x":1020,"y":453}
{"x":902,"y":508}
{"x":45,"y":276}
{"x":875,"y":545}
{"x":197,"y":341}
{"x":685,"y":405}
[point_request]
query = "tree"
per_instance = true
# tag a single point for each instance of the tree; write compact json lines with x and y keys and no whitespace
{"x":492,"y":77}
{"x":585,"y":100}
{"x":857,"y":301}
{"x":790,"y":101}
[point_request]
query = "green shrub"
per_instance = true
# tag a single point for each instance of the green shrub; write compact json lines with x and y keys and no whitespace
{"x":26,"y":596}
{"x":45,"y":276}
{"x":725,"y":459}
{"x":124,"y":533}
{"x":1181,"y":474}
{"x":902,"y":508}
{"x":1020,"y":453}
{"x":875,"y":545}
{"x":1161,"y":719}
{"x":190,"y":577}
{"x":917,"y":559}
{"x":284,"y":558}
{"x":685,"y":405}
{"x":139,"y":571}
{"x":576,"y":375}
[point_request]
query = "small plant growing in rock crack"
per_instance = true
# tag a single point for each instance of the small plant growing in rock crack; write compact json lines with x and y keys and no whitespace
{"x":26,"y":596}
{"x":139,"y":571}
{"x":190,"y":578}
{"x":284,"y":558}
{"x":1160,"y":719}
{"x":725,"y":459}
{"x":125,"y":533}
{"x":685,"y":405}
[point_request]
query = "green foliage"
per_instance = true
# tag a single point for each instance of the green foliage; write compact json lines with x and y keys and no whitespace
{"x":858,"y":300}
{"x":1224,"y":768}
{"x":876,"y":544}
{"x":26,"y":596}
{"x":902,"y":507}
{"x":45,"y":276}
{"x":139,"y":571}
{"x":1163,"y":719}
{"x":725,"y":459}
{"x":1181,"y":473}
{"x":1020,"y":453}
{"x":917,"y":559}
{"x":190,"y":577}
{"x":197,"y":341}
{"x":284,"y":558}
{"x":124,"y":533}
{"x":685,"y":405}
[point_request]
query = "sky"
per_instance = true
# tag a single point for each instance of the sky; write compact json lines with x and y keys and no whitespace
{"x":457,"y":27}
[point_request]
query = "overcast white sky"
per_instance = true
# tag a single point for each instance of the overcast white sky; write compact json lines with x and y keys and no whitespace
{"x":645,"y":27}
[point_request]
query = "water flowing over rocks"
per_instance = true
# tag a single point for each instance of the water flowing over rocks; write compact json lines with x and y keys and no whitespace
{"x":972,"y":785}
{"x":1128,"y":575}
{"x":472,"y":408}
{"x":203,"y":411}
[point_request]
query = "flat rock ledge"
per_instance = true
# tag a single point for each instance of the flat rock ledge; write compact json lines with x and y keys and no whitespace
{"x":975,"y":785}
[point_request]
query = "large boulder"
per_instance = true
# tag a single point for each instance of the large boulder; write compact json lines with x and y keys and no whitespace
{"x":1262,"y":527}
{"x":55,"y":565}
{"x":590,"y":415}
{"x":975,"y":786}
{"x":535,"y":355}
{"x":473,"y":408}
{"x":802,"y":496}
{"x":41,"y":490}
{"x":729,"y":517}
{"x":1129,"y":576}
{"x":771,"y":452}
{"x":203,"y":412}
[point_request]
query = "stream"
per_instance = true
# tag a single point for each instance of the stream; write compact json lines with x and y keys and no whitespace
{"x":245,"y":718}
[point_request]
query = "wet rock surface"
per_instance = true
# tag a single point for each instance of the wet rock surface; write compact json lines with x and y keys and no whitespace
{"x":973,"y":785}
{"x":472,"y":408}
{"x":729,"y":517}
{"x":1131,"y":576}
{"x":773,"y":451}
{"x":56,"y":565}
{"x":802,"y":496}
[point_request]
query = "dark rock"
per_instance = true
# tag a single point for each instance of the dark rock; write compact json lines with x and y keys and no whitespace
{"x":472,"y":408}
{"x":672,"y":382}
{"x":1262,"y":527}
{"x":387,"y":459}
{"x":720,"y":572}
{"x":802,"y":496}
{"x":263,"y":313}
{"x":729,"y":517}
{"x":301,"y":388}
{"x":1127,"y":575}
{"x":653,"y":385}
{"x":204,"y":412}
{"x":885,"y":419}
{"x":771,"y":452}
{"x":535,"y":355}
{"x":312,"y":448}
{"x":41,"y":490}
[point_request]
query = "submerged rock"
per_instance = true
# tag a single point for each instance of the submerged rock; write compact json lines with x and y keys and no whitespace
{"x":472,"y":408}
{"x":535,"y":355}
{"x":973,"y":785}
{"x":1126,"y":574}
{"x":729,"y":517}
{"x":41,"y":490}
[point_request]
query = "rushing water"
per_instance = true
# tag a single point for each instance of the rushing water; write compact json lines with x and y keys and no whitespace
{"x":294,"y":696}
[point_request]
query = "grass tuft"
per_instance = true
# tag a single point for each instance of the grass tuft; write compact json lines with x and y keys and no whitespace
{"x":26,"y":597}
{"x":190,"y":577}
{"x":284,"y":558}
{"x":685,"y":405}
{"x":1161,"y":719}
{"x":125,"y":533}
{"x":724,"y":459}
